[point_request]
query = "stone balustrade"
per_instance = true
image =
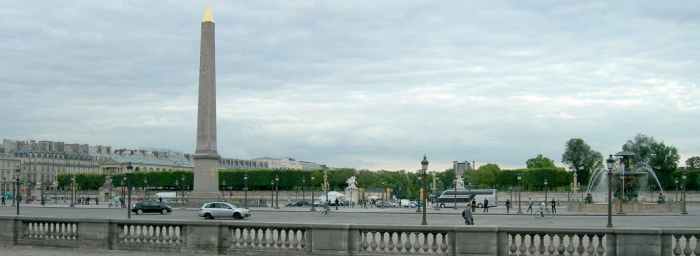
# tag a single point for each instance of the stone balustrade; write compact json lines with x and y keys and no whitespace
{"x":249,"y":238}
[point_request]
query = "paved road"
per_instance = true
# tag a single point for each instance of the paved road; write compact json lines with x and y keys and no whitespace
{"x":383,"y":216}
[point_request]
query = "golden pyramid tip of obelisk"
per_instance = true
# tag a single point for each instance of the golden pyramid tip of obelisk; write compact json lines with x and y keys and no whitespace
{"x":208,"y":16}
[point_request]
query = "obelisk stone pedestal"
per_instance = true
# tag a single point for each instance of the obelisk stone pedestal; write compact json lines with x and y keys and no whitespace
{"x":206,"y":157}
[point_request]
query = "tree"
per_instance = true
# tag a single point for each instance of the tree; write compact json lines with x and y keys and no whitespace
{"x":661,"y":158}
{"x":582,"y":159}
{"x":540,"y":162}
{"x":693,"y":162}
{"x":487,"y":174}
{"x":641,"y":147}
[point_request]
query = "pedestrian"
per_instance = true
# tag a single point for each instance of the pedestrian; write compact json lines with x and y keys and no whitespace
{"x":473,"y":205}
{"x":336,"y":204}
{"x":486,"y":205}
{"x":507,"y":206}
{"x":554,"y":206}
{"x":467,"y":215}
{"x":3,"y":200}
{"x":529,"y":205}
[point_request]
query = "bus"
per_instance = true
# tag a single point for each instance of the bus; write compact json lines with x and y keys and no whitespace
{"x":462,"y":196}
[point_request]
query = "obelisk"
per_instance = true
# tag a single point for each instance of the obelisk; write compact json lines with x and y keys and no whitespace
{"x":206,"y":158}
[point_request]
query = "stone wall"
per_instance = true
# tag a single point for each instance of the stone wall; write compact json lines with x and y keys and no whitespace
{"x":246,"y":238}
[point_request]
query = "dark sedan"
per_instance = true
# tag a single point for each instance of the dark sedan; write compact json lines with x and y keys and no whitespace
{"x":151,"y":207}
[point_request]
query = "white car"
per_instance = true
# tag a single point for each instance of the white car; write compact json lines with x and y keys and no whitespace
{"x":222,"y":210}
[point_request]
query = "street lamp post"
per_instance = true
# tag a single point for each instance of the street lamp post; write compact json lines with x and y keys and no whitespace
{"x":424,"y":169}
{"x":272,"y":193}
{"x":182,"y":192}
{"x":277,"y":192}
{"x":72,"y":191}
{"x":545,"y":191}
{"x":145,"y":188}
{"x":610,"y":162}
{"x":245,"y":190}
{"x":129,"y":167}
{"x":17,"y":198}
{"x":684,"y":207}
{"x":313,"y":205}
{"x":303,"y":183}
{"x":520,"y":187}
{"x":675,"y":197}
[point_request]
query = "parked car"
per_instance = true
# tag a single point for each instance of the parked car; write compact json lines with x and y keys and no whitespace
{"x":222,"y":209}
{"x":151,"y":207}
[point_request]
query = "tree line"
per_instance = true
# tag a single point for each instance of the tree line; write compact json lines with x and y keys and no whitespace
{"x":578,"y":155}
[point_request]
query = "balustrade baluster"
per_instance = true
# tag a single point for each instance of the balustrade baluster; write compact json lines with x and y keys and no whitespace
{"x":513,"y":248}
{"x":416,"y":242}
{"x":677,"y":246}
{"x":600,"y":250}
{"x":531,"y":247}
{"x":590,"y":248}
{"x":373,"y":241}
{"x":425,"y":242}
{"x":687,"y":250}
{"x":443,"y":244}
{"x":522,"y":248}
{"x":399,"y":241}
{"x":697,"y":245}
{"x":541,"y":248}
{"x":364,"y":244}
{"x":570,"y":245}
{"x":434,"y":248}
{"x":407,"y":244}
{"x":382,"y":244}
{"x":560,"y":244}
{"x":280,"y":242}
{"x":579,"y":248}
{"x":550,"y":246}
{"x":390,"y":245}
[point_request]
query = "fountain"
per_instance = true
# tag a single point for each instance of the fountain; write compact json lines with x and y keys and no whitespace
{"x":635,"y":189}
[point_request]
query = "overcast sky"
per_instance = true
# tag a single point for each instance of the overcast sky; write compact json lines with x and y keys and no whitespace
{"x":365,"y":84}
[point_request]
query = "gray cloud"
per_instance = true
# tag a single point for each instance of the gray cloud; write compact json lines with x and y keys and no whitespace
{"x":364,"y":84}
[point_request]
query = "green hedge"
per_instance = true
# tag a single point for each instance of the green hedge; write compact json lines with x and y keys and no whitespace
{"x":82,"y":181}
{"x":165,"y":180}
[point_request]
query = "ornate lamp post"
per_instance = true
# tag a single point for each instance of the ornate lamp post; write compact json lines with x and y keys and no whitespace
{"x":245,"y":190}
{"x":423,"y":170}
{"x":676,"y":196}
{"x":41,"y":192}
{"x":303,"y":183}
{"x":277,"y":192}
{"x":684,"y":207}
{"x":272,"y":193}
{"x":182,"y":184}
{"x":17,"y":198}
{"x":313,"y":205}
{"x":520,"y":188}
{"x":145,"y":188}
{"x":610,"y":163}
{"x":128,"y":189}
{"x":72,"y":191}
{"x":545,"y":191}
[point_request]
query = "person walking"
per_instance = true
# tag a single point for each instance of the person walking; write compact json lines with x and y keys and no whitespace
{"x":554,"y":206}
{"x":529,"y":205}
{"x":467,"y":215}
{"x":486,"y":205}
{"x":473,"y":205}
{"x":507,"y":206}
{"x":3,"y":200}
